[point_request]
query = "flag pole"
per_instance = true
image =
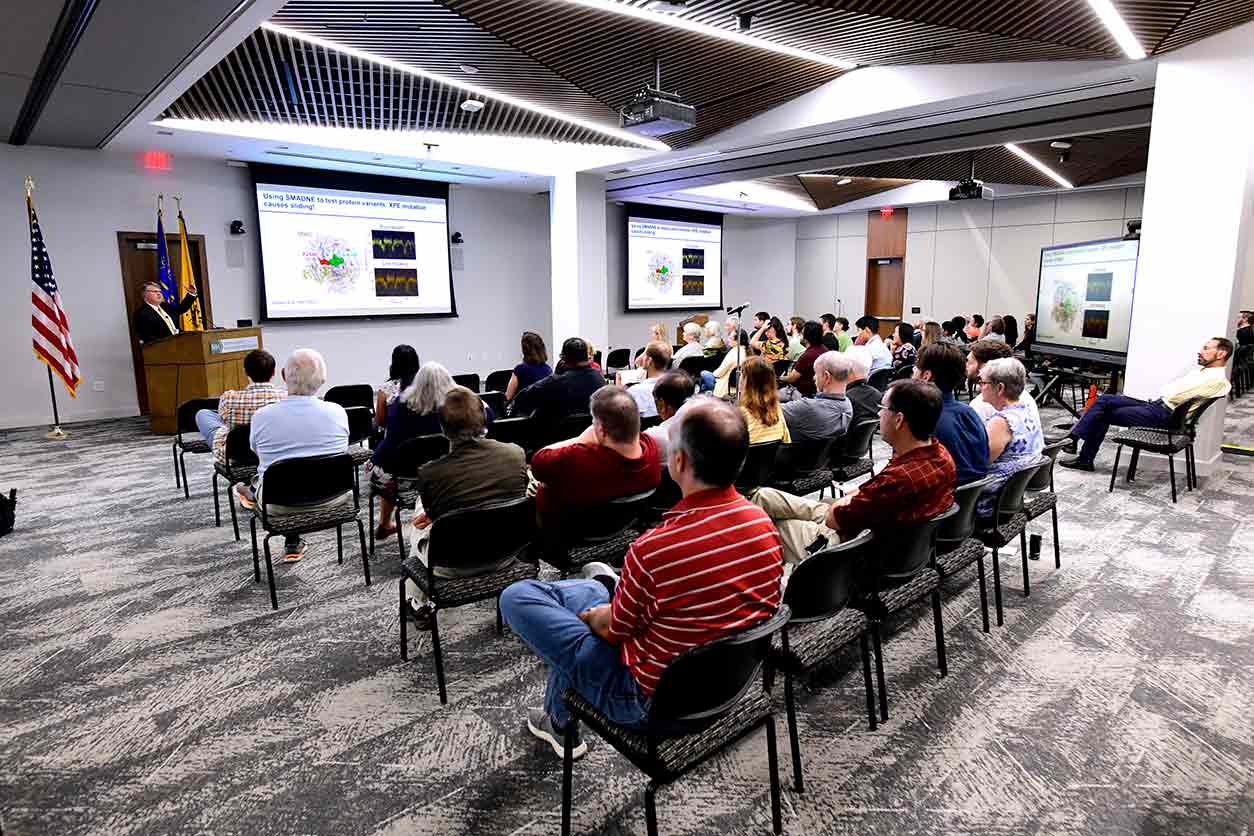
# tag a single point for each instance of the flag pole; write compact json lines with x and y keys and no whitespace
{"x":56,"y":433}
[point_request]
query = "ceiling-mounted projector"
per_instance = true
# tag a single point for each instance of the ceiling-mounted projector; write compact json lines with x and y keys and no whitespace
{"x":654,"y":112}
{"x":969,"y":188}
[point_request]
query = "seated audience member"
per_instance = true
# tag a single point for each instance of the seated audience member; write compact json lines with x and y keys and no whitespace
{"x":416,"y":412}
{"x":533,"y":368}
{"x":760,"y":319}
{"x":566,"y":391}
{"x":692,"y":345}
{"x":672,"y":391}
{"x":931,"y":333}
{"x":903,"y":349}
{"x":1015,"y":439}
{"x":995,"y":330}
{"x":868,"y":334}
{"x":975,"y":328}
{"x":1209,"y":380}
{"x":844,"y":340}
{"x":801,"y":376}
{"x":1245,"y":328}
{"x":984,"y":351}
{"x":477,"y":470}
{"x":915,"y":485}
{"x":1010,"y":331}
{"x":1029,"y":334}
{"x":796,"y":344}
{"x":960,"y":329}
{"x":828,"y":413}
{"x":719,"y":380}
{"x":711,"y":569}
{"x":759,"y":401}
{"x":657,"y":333}
{"x":949,"y":334}
{"x":769,"y":341}
{"x":401,"y":373}
{"x":237,"y":406}
{"x":959,"y":428}
{"x":713,"y":342}
{"x":657,"y":359}
{"x":608,"y":460}
{"x":731,"y":327}
{"x":828,"y":323}
{"x":300,"y":425}
{"x":864,"y":397}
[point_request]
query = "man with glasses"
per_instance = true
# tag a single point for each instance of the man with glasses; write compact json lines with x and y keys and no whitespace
{"x":915,"y":485}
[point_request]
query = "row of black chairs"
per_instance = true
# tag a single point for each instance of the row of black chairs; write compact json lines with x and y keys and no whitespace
{"x":1242,"y":370}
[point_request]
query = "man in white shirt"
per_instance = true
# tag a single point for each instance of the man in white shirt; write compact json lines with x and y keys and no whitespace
{"x":671,"y":392}
{"x":981,"y":352}
{"x":692,"y":345}
{"x":657,"y":358}
{"x":1209,"y":380}
{"x":300,"y":425}
{"x":868,"y":331}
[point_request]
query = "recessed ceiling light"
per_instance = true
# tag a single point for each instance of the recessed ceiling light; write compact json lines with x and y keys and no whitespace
{"x":844,"y":181}
{"x":645,"y":13}
{"x":284,"y":147}
{"x":672,"y":7}
{"x":1118,"y":29}
{"x":376,"y":159}
{"x":472,"y":105}
{"x":1039,"y":166}
{"x":165,"y":133}
{"x":469,"y":69}
{"x":474,"y":89}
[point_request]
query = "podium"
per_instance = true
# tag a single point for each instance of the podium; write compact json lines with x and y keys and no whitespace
{"x":195,"y":364}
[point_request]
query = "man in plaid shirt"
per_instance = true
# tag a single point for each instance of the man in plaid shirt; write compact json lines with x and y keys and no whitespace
{"x":916,"y":484}
{"x":237,"y":406}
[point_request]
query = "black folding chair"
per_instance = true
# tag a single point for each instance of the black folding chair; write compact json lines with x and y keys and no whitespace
{"x":881,"y":378}
{"x":781,"y":367}
{"x":402,"y":465}
{"x":185,"y":422}
{"x":595,"y":533}
{"x":619,"y":358}
{"x":1008,"y":522}
{"x":520,"y":431}
{"x":820,"y":595}
{"x":1040,"y":496}
{"x":470,"y":381}
{"x":498,"y":381}
{"x":494,"y":401}
{"x":360,"y":428}
{"x":759,"y":462}
{"x":903,"y":571}
{"x":1177,"y":437}
{"x":707,"y":699}
{"x":851,"y":455}
{"x":801,"y":467}
{"x":569,"y":426}
{"x":239,"y":468}
{"x":307,"y":482}
{"x":956,"y":548}
{"x":353,"y":394}
{"x":487,"y":537}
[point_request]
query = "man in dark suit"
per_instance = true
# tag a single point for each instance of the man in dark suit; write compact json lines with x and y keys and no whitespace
{"x":155,"y":318}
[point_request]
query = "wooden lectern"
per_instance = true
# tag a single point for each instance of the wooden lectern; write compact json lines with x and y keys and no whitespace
{"x":195,"y":364}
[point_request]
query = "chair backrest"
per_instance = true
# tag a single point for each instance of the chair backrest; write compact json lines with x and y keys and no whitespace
{"x":353,"y":394}
{"x":413,"y":453}
{"x":666,"y":495}
{"x":823,"y":584}
{"x":637,"y":352}
{"x":496,"y":401}
{"x":880,"y":378}
{"x":308,"y":480}
{"x":961,"y":525}
{"x":704,"y":683}
{"x":694,"y":366}
{"x":781,"y":367}
{"x":1043,"y":479}
{"x":901,"y":552}
{"x":904,"y":372}
{"x":482,"y":535}
{"x":618,"y":358}
{"x":1195,"y":415}
{"x":239,"y":451}
{"x":470,"y":381}
{"x":360,"y":423}
{"x":1010,"y":496}
{"x":569,"y":426}
{"x":855,"y":443}
{"x":650,"y":422}
{"x":801,"y":458}
{"x":518,"y":431}
{"x":498,"y":381}
{"x":186,"y":416}
{"x":759,"y":462}
{"x":587,"y":524}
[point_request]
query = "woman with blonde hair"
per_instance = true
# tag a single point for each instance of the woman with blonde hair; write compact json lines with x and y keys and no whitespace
{"x":931,"y":333}
{"x":759,"y":401}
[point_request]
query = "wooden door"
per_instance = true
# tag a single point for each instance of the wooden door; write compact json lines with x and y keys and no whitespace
{"x":885,"y":291}
{"x":138,"y":251}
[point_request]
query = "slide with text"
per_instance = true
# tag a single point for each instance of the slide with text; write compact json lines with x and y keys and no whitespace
{"x":673,"y":264}
{"x":1085,"y":295}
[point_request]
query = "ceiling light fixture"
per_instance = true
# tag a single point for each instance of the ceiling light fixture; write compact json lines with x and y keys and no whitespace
{"x":363,"y":55}
{"x":844,"y":181}
{"x":472,"y":105}
{"x":1118,"y":29}
{"x":1039,"y":166}
{"x":469,"y":69}
{"x":645,"y":14}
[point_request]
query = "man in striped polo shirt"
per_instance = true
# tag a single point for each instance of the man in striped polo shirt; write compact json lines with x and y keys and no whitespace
{"x":712,"y":568}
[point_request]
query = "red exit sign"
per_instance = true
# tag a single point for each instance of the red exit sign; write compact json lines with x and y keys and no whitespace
{"x":886,"y":212}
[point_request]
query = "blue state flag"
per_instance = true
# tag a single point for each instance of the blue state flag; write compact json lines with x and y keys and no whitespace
{"x":169,"y":288}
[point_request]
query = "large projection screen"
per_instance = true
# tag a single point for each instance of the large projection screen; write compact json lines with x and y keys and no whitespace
{"x":336,"y":245}
{"x":1084,"y":300}
{"x":674,"y":259}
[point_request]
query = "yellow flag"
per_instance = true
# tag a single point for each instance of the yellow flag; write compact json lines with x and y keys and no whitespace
{"x":192,"y":320}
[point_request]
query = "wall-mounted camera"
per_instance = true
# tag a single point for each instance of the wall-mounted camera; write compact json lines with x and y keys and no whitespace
{"x":237,"y":227}
{"x":457,"y":238}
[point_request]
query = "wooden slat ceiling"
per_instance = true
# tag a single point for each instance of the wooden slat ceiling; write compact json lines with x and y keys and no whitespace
{"x":825,"y":192}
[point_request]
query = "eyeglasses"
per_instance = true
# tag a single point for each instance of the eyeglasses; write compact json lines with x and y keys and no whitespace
{"x":985,"y":383}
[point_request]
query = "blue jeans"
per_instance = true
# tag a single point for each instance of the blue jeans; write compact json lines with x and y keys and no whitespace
{"x":208,"y":421}
{"x":546,"y":616}
{"x":1120,"y":411}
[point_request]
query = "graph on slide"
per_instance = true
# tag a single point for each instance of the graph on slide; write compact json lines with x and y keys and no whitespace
{"x":393,"y":244}
{"x":1066,"y":305}
{"x":661,"y":271}
{"x":694,"y":259}
{"x":694,"y":285}
{"x":395,"y":281}
{"x":330,"y":262}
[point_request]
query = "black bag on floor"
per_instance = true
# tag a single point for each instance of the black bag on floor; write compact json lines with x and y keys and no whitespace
{"x":8,"y":511}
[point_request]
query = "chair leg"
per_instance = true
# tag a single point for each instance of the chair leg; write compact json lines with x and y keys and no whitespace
{"x":183,"y":467}
{"x":252,"y":529}
{"x":365,"y":558}
{"x":1114,"y":471}
{"x":500,"y":622}
{"x":650,"y":808}
{"x":439,"y":656}
{"x":174,"y":453}
{"x":997,"y":587}
{"x":567,"y":774}
{"x":1171,"y":468}
{"x":1190,"y":468}
{"x":217,"y":505}
{"x":790,"y":708}
{"x":370,"y":502}
{"x":1057,"y":546}
{"x":400,"y":534}
{"x":1023,"y":555}
{"x":863,"y":645}
{"x":234,"y":513}
{"x":879,"y":670}
{"x":404,"y":621}
{"x":339,"y":544}
{"x":983,"y":591}
{"x":772,"y":758}
{"x":274,"y":596}
{"x":1132,"y":463}
{"x":938,"y":622}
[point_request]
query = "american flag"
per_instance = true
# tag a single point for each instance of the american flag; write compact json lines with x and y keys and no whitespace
{"x":52,"y":327}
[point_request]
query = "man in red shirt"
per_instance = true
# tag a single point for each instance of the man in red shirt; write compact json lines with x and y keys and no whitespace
{"x":801,"y":375}
{"x":712,"y":568}
{"x":608,"y":460}
{"x":916,"y":484}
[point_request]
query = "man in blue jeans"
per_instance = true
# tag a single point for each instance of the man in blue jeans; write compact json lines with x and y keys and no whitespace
{"x":712,"y":568}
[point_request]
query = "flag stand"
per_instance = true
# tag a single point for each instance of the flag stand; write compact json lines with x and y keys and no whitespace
{"x":56,"y":433}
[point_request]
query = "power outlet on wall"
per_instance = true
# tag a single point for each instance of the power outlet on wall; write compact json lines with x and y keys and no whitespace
{"x":97,"y":386}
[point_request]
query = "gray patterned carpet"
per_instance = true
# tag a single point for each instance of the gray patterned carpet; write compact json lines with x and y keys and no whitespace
{"x":149,"y":689}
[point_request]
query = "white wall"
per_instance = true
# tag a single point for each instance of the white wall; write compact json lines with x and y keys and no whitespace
{"x":831,"y":265}
{"x":85,"y":197}
{"x":759,"y":266}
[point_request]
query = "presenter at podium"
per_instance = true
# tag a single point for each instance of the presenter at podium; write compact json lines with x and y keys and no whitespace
{"x":157,"y":319}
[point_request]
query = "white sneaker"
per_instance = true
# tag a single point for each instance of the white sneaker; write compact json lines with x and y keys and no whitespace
{"x":540,"y":724}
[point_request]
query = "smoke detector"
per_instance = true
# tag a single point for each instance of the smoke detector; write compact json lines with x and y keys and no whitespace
{"x":1062,"y":148}
{"x":472,"y":105}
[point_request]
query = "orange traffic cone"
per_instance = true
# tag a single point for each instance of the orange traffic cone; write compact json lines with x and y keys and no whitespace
{"x":1092,"y":397}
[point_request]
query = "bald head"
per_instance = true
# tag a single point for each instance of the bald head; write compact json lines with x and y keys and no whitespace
{"x":831,"y":371}
{"x":709,"y":441}
{"x":305,"y":372}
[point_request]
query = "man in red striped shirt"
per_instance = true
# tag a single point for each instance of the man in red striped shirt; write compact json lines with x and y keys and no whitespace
{"x":712,"y":568}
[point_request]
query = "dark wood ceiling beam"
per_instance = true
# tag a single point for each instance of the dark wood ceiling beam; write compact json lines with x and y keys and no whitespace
{"x":71,"y":24}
